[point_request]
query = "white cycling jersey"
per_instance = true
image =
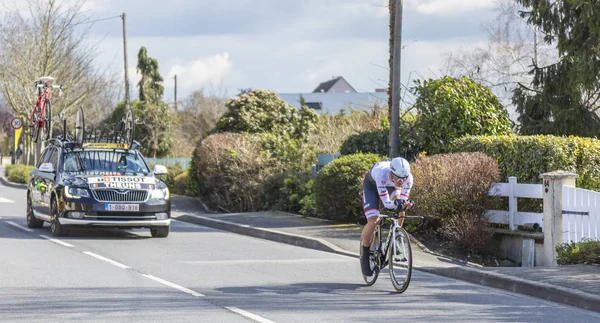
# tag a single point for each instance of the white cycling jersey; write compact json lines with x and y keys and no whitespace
{"x":381,"y":175}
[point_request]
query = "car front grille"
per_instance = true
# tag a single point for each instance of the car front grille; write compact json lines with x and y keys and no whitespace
{"x":120,"y":216}
{"x":116,"y":196}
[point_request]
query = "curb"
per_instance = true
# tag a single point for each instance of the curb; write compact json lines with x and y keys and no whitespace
{"x":481,"y":277}
{"x":544,"y":291}
{"x":13,"y":185}
{"x":268,"y":234}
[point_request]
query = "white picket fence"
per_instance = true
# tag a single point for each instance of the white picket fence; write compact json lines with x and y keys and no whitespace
{"x":513,"y":217}
{"x":580,"y":214}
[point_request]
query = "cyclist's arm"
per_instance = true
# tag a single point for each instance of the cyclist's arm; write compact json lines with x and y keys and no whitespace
{"x":406,"y":187}
{"x":385,"y":197}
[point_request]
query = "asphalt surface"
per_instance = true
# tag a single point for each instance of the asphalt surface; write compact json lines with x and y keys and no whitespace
{"x":200,"y":274}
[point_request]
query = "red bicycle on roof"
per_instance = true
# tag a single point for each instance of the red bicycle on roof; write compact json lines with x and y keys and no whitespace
{"x":41,"y":116}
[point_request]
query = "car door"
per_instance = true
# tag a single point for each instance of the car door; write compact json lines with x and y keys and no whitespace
{"x":47,"y":181}
{"x":37,"y":180}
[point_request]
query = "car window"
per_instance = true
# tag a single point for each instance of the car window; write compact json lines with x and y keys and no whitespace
{"x":54,"y":158}
{"x":45,"y":156}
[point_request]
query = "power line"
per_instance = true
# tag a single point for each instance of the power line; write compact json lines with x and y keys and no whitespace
{"x":100,"y":19}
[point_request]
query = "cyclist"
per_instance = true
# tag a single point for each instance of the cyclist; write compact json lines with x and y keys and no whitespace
{"x":391,"y":182}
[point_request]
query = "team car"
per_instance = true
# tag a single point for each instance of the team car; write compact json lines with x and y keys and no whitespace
{"x":97,"y":184}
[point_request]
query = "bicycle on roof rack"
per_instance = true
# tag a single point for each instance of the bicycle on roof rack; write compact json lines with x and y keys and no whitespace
{"x":78,"y":136}
{"x":120,"y":137}
{"x":41,"y":116}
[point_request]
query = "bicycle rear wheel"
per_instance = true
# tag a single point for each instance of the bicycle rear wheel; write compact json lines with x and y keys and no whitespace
{"x":375,"y":245}
{"x":128,"y":129}
{"x":47,"y":122}
{"x":79,"y":126}
{"x":34,"y":125}
{"x":400,"y":260}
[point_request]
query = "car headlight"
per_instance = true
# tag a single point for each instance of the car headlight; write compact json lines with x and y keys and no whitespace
{"x":76,"y":192}
{"x":160,"y":194}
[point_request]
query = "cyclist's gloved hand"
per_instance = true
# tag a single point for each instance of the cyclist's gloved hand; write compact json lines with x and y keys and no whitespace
{"x":399,"y":204}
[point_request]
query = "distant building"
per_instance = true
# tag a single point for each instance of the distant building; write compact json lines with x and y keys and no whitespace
{"x":336,"y":95}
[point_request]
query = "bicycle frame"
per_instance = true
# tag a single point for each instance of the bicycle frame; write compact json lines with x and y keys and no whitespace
{"x":382,"y":253}
{"x":383,"y":249}
{"x":43,"y":96}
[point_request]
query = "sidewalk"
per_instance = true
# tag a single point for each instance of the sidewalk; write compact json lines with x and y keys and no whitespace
{"x":576,"y":285}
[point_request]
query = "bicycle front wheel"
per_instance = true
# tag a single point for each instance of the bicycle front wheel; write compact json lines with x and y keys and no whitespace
{"x":400,"y":259}
{"x":129,"y":127}
{"x":79,"y":126}
{"x":47,"y":121}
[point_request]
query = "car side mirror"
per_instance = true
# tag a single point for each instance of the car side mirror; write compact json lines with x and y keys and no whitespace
{"x":46,"y":168}
{"x":160,"y":170}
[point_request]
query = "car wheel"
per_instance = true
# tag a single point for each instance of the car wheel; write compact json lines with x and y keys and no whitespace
{"x":32,"y":221}
{"x":159,"y":232}
{"x":55,"y":227}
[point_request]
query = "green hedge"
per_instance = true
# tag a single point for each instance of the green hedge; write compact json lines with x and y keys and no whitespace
{"x":526,"y":157}
{"x":289,"y":192}
{"x":338,"y":187}
{"x":369,"y":142}
{"x":18,"y":173}
{"x":584,"y":252}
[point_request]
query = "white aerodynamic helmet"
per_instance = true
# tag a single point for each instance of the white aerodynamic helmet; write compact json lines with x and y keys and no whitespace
{"x":400,"y":167}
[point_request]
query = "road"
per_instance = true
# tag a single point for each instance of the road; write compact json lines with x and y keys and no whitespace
{"x":199,"y":274}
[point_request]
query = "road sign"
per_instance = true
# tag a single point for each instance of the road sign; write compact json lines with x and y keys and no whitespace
{"x":16,"y":123}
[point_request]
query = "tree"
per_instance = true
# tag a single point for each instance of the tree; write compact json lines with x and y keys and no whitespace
{"x":49,"y":40}
{"x":149,"y":86}
{"x":506,"y":59}
{"x":450,"y":108}
{"x":262,"y":111}
{"x":563,"y":97}
{"x":156,"y":117}
{"x":198,"y":114}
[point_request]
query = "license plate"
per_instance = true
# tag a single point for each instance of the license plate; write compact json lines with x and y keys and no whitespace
{"x":122,"y":207}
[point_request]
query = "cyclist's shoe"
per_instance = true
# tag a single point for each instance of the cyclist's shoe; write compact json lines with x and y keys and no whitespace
{"x":365,"y":262}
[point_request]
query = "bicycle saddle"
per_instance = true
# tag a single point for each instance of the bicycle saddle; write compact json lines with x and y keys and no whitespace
{"x":46,"y":79}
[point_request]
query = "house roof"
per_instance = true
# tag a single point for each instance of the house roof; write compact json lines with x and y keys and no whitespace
{"x":327,"y":85}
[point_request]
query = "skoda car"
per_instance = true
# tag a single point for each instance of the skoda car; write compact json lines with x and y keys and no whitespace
{"x":97,"y":185}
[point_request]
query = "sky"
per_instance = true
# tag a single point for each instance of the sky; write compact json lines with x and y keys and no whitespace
{"x":287,"y":46}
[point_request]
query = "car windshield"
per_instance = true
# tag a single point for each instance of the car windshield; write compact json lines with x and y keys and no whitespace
{"x":101,"y":162}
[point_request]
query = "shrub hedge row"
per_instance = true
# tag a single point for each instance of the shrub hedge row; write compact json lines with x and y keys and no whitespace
{"x":526,"y":157}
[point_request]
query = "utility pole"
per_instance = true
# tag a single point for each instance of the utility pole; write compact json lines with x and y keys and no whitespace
{"x":396,"y":81}
{"x":175,"y":92}
{"x":125,"y":59}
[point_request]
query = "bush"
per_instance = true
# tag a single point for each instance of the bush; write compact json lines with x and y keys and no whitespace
{"x":453,"y":190}
{"x":18,"y":173}
{"x":377,"y":141}
{"x":370,"y":142}
{"x":333,"y":130}
{"x":172,"y":172}
{"x":584,"y":252}
{"x":291,"y":154}
{"x":179,"y":184}
{"x":526,"y":157}
{"x":261,"y":111}
{"x":228,"y":169}
{"x":338,"y":187}
{"x":451,"y":108}
{"x":286,"y":191}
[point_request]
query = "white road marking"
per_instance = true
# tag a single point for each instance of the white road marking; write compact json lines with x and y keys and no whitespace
{"x":249,"y":315}
{"x":112,"y":262}
{"x":5,"y":200}
{"x":258,"y":261}
{"x":181,"y":288}
{"x":56,"y":241}
{"x":19,"y":226}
